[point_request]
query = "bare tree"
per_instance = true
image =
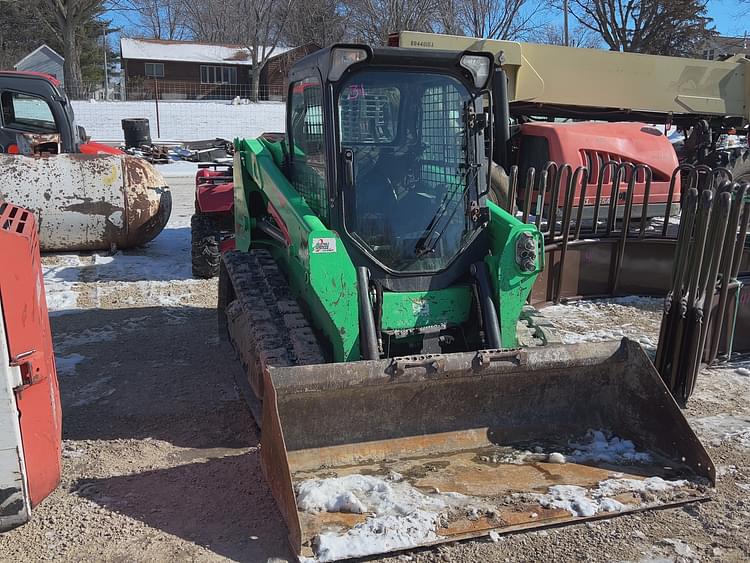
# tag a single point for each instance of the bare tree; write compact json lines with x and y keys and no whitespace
{"x":314,"y":21}
{"x":70,"y":19}
{"x":448,"y":20}
{"x":256,"y":24}
{"x":496,"y":19}
{"x":157,"y":19}
{"x":214,"y":21}
{"x":19,"y":32}
{"x":580,"y":36}
{"x":372,"y":21}
{"x":264,"y":26}
{"x":664,"y":27}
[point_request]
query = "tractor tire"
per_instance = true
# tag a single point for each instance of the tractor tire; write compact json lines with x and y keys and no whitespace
{"x":205,"y":236}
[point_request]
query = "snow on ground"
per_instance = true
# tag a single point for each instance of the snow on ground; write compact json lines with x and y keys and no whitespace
{"x":598,"y":446}
{"x":181,"y":121}
{"x":59,"y":283}
{"x":66,"y":342}
{"x":66,"y":365}
{"x":178,"y":169}
{"x":400,"y":516}
{"x":580,"y":501}
{"x":599,"y":320}
{"x":156,"y":275}
{"x":160,"y":272}
{"x":723,"y":428}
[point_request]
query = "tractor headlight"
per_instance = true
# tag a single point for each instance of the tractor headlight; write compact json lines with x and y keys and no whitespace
{"x":479,"y":66}
{"x":342,"y":58}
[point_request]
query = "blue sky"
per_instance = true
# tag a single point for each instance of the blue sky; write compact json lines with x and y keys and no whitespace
{"x":730,"y":18}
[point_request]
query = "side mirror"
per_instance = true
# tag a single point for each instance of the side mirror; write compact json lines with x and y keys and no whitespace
{"x":82,"y":135}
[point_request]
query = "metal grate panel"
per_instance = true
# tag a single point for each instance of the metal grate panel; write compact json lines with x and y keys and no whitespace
{"x":309,"y":171}
{"x":13,"y":218}
{"x":442,"y":124}
{"x":369,"y":115}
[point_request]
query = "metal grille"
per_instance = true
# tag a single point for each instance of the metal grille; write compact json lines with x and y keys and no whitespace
{"x":444,"y":140}
{"x":309,"y":171}
{"x":369,"y":115}
{"x":13,"y":218}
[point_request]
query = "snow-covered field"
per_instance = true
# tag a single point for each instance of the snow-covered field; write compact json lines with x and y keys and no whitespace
{"x":181,"y":121}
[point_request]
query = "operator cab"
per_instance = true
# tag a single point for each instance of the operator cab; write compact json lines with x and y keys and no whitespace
{"x":408,"y":134}
{"x":36,"y":117}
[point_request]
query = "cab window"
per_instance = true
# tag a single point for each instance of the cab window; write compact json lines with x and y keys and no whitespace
{"x":27,"y":113}
{"x":309,"y":160}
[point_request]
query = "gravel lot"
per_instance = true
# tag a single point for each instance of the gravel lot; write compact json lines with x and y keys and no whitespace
{"x":161,"y":457}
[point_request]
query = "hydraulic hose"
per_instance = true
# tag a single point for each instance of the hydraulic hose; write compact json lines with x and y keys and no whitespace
{"x":368,"y":339}
{"x":489,"y":315}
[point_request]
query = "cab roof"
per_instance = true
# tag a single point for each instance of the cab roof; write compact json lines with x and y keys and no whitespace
{"x":427,"y":59}
{"x":30,"y":74}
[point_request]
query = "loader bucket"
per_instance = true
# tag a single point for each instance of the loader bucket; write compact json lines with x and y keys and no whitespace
{"x":377,"y":456}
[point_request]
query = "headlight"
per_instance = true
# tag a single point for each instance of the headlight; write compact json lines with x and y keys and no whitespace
{"x":342,"y":58}
{"x":479,"y":66}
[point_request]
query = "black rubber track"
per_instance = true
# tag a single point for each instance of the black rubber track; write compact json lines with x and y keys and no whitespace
{"x":268,"y":327}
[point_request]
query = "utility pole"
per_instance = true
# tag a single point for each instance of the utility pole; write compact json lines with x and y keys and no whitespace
{"x":566,"y":39}
{"x":106,"y":71}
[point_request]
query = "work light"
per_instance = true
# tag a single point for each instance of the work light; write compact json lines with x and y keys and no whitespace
{"x":479,"y":67}
{"x":342,"y":58}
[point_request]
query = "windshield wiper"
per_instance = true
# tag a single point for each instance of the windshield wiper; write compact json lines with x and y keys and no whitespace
{"x":428,"y":241}
{"x":473,"y":123}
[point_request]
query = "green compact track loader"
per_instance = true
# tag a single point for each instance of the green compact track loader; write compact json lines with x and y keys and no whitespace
{"x":377,"y":302}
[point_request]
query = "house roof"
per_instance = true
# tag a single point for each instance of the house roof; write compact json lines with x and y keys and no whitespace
{"x":730,"y":45}
{"x":43,"y":47}
{"x":188,"y":51}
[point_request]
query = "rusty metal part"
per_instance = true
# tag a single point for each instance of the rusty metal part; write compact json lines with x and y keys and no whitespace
{"x":88,"y":202}
{"x":704,"y":287}
{"x":38,"y":143}
{"x":434,"y":423}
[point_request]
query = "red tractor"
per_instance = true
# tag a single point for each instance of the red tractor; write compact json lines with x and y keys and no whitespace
{"x":212,"y":226}
{"x":30,"y":414}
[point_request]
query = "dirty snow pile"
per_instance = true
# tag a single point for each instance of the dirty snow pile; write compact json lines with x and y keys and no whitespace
{"x":400,"y":516}
{"x":597,"y":446}
{"x":580,"y":501}
{"x":594,"y":446}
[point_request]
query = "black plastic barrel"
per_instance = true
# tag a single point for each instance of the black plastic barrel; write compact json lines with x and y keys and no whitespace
{"x":137,"y":132}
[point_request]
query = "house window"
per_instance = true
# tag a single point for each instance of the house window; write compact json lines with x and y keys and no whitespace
{"x":155,"y":70}
{"x":218,"y":75}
